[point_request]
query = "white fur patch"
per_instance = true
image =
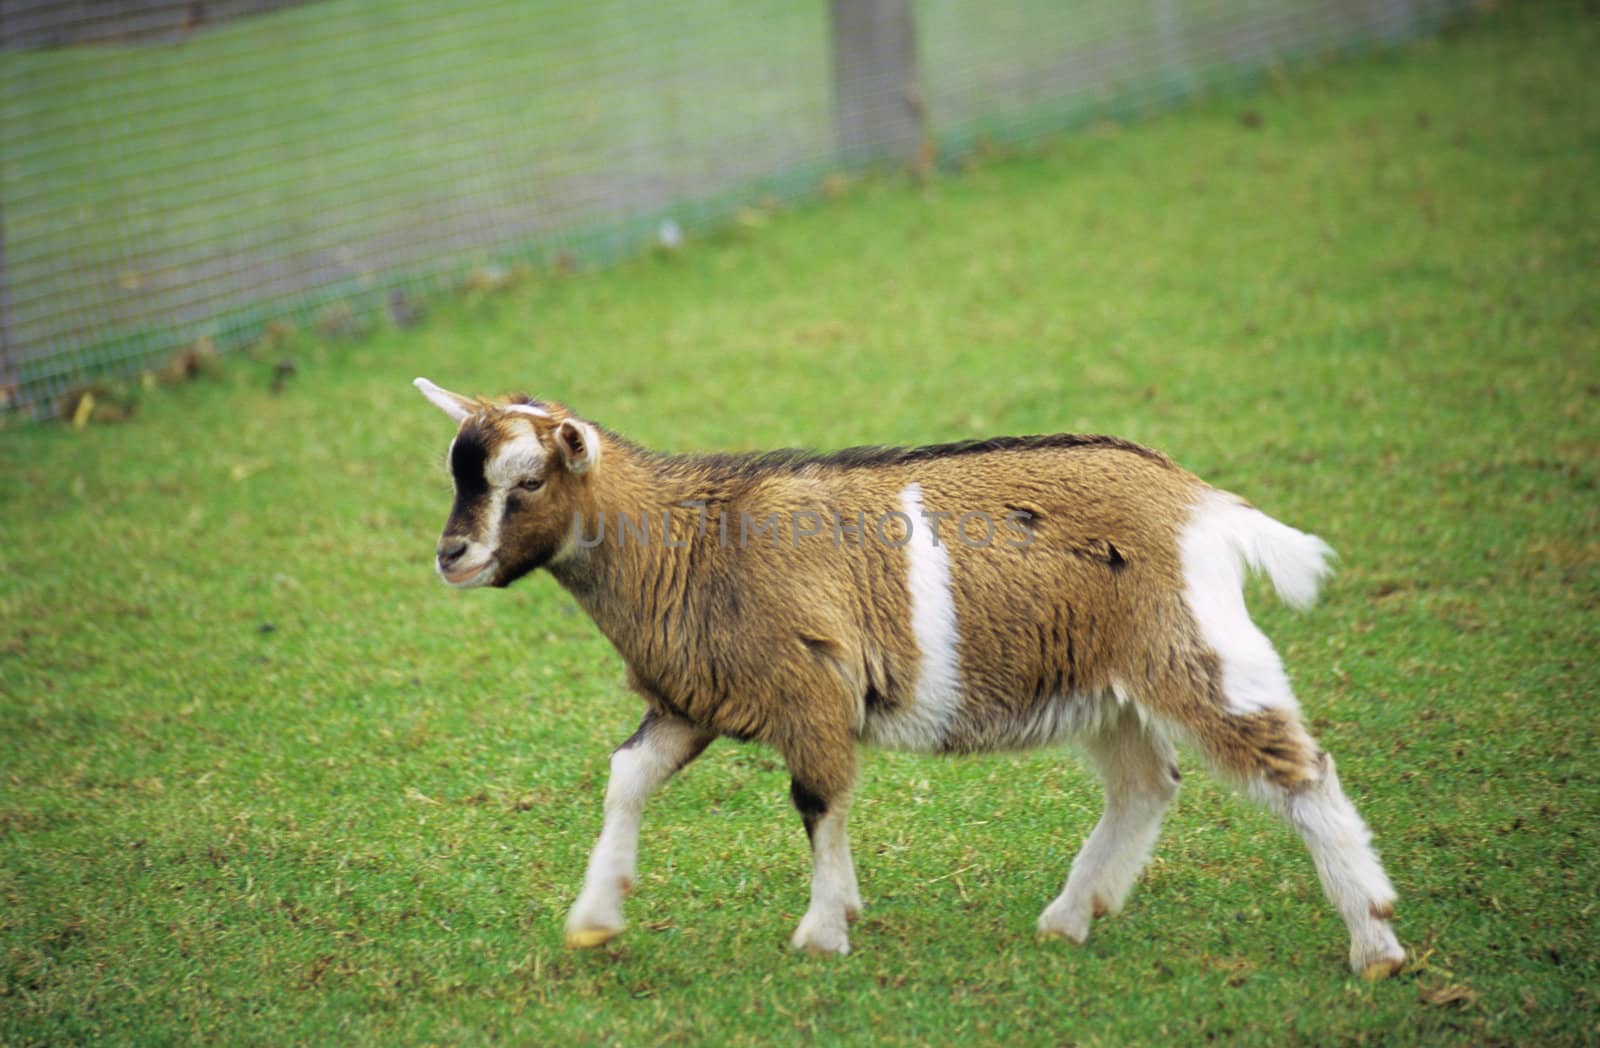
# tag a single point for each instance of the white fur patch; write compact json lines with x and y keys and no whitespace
{"x":1341,"y":848}
{"x":637,"y":771}
{"x":835,"y":898}
{"x":1135,"y":762}
{"x":925,"y":724}
{"x":515,"y":460}
{"x":528,"y":409}
{"x":1223,"y":538}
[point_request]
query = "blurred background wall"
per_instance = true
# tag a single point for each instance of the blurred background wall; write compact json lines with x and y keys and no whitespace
{"x":175,"y":174}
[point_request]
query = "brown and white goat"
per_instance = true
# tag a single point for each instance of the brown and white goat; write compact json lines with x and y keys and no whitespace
{"x":986,"y":595}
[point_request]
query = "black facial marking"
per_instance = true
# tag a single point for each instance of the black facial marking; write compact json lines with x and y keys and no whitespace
{"x":468,"y":459}
{"x":811,"y":806}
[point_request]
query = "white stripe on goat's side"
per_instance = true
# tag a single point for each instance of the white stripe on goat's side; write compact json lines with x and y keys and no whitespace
{"x":925,"y":724}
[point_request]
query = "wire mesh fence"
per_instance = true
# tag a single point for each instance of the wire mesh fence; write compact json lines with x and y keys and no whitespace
{"x":174,"y":172}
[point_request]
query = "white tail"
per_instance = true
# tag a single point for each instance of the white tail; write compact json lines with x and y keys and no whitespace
{"x":1295,"y":562}
{"x":1225,"y":537}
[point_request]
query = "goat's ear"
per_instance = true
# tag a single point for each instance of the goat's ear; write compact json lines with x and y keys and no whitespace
{"x":452,"y":404}
{"x":579,"y":445}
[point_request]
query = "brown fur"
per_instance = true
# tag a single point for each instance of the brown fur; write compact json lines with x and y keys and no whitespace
{"x":791,"y":645}
{"x":1065,"y":613}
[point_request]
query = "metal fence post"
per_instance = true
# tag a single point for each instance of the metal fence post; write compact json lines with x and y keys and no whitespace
{"x":877,"y":101}
{"x":10,"y":392}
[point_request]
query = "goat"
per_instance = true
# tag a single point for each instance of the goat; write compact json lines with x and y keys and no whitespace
{"x":978,"y":596}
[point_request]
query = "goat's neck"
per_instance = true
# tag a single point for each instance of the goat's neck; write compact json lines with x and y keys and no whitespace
{"x":633,"y":586}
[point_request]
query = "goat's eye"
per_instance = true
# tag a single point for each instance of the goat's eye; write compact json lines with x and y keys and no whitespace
{"x":531,"y":484}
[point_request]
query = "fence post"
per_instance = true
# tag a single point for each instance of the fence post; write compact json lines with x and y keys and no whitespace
{"x":10,"y":391}
{"x":877,"y":101}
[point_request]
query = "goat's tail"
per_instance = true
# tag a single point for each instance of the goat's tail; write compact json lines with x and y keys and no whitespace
{"x":1230,"y":535}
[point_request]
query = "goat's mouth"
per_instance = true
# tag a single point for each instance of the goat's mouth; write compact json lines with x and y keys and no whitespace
{"x":474,"y":575}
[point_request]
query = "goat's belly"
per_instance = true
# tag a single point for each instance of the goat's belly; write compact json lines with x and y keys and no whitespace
{"x":978,"y":727}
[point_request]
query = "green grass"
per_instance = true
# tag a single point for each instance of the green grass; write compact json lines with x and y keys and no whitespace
{"x":263,"y":779}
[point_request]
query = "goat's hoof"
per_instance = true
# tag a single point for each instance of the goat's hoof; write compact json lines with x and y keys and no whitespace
{"x":819,"y":950}
{"x":1378,"y":971}
{"x":589,"y":938}
{"x":821,"y":938}
{"x":1375,"y":953}
{"x":1048,"y":935}
{"x":1063,"y":925}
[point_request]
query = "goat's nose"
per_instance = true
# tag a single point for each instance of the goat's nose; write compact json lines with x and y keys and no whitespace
{"x":450,"y":551}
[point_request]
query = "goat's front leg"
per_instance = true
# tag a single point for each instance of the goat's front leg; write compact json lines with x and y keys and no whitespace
{"x":639,"y":767}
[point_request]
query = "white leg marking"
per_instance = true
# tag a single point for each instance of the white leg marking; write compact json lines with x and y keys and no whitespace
{"x":1139,"y":769}
{"x":1352,"y":877}
{"x":1222,"y":538}
{"x":937,"y":696}
{"x":637,"y":771}
{"x":835,"y":898}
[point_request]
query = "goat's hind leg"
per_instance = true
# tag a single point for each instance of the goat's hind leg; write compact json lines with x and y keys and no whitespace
{"x":639,"y":767}
{"x":1140,"y":772}
{"x":1271,"y":756}
{"x":1351,"y":875}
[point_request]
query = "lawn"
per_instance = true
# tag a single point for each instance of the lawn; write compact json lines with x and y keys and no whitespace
{"x":264,"y":780}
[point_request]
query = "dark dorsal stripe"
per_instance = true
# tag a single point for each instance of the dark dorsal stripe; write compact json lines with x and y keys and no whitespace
{"x":880,"y":456}
{"x":795,"y":460}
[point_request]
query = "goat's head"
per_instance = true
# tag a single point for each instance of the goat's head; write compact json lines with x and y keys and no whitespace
{"x":521,"y":469}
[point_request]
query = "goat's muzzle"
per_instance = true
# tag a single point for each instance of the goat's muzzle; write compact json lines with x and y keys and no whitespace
{"x":463,"y":563}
